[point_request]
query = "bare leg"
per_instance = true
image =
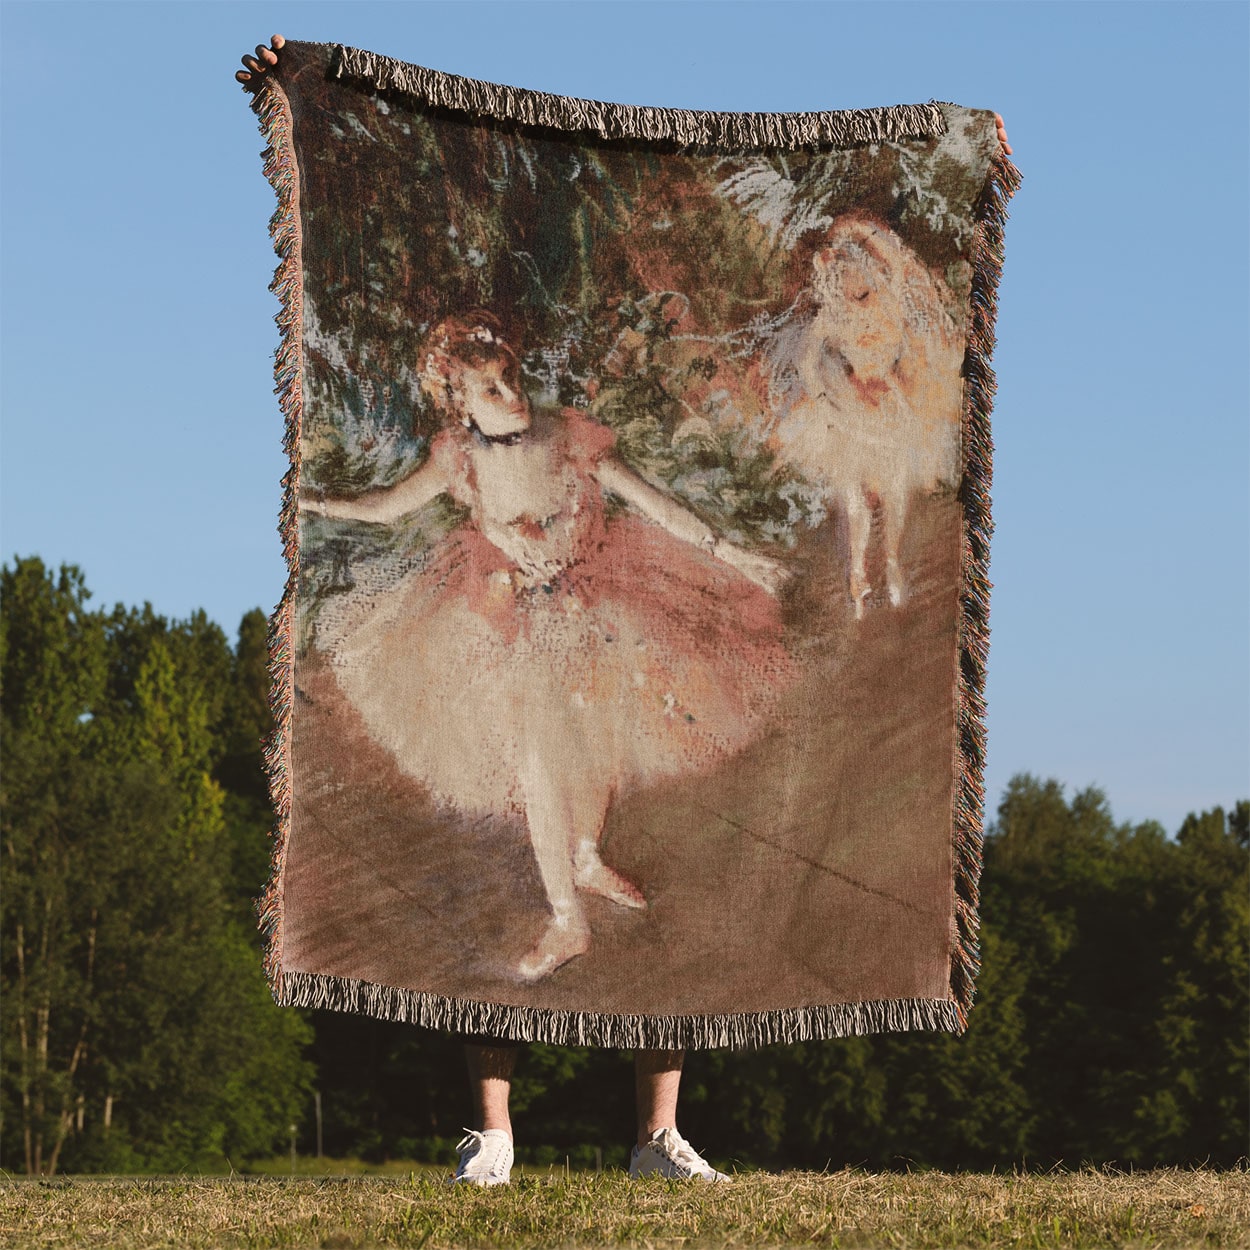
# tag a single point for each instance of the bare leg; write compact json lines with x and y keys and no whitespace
{"x":490,"y":1082}
{"x":657,"y":1078}
{"x":550,"y":816}
{"x":893,"y":517}
{"x":859,"y":527}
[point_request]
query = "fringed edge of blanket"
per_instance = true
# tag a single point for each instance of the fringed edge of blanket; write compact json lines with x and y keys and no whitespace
{"x":974,"y":639}
{"x":616,"y":121}
{"x":581,"y":1028}
{"x":274,"y":113}
{"x":683,"y":127}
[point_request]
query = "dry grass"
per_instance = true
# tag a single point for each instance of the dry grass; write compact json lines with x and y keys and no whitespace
{"x":843,"y":1209}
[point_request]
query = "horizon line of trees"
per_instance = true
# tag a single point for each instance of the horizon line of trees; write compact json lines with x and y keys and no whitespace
{"x":1112,"y":1022}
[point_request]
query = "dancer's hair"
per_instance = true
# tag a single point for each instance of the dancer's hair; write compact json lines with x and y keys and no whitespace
{"x":463,"y":340}
{"x":863,"y":244}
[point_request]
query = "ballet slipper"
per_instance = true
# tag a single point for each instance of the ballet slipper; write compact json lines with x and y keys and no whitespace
{"x":591,"y":874}
{"x":564,"y":938}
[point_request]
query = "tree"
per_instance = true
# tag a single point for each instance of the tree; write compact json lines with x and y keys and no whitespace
{"x":245,"y":723}
{"x":138,"y":1031}
{"x":141,"y":1032}
{"x":1133,"y":949}
{"x":1199,"y":1106}
{"x":1110,"y":1023}
{"x":52,"y":672}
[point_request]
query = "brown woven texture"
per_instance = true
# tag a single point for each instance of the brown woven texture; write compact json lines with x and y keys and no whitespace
{"x":629,"y":675}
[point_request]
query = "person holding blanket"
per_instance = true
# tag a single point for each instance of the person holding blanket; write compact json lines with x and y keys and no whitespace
{"x":629,"y":675}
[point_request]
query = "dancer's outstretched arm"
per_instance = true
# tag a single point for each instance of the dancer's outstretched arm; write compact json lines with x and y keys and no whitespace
{"x":386,"y":505}
{"x":613,"y":475}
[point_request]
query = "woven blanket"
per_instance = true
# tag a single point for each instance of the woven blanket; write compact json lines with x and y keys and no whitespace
{"x":628,"y":678}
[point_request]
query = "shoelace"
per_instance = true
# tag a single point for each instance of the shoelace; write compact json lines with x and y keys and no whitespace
{"x":684,"y":1154}
{"x":491,"y":1160}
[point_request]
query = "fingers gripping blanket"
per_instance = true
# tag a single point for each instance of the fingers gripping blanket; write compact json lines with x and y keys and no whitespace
{"x":628,"y":679}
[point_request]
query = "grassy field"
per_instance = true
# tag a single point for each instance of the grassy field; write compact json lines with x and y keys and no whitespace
{"x":841,"y":1209}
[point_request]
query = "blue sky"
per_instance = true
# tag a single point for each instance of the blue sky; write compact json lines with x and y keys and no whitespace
{"x":141,"y":437}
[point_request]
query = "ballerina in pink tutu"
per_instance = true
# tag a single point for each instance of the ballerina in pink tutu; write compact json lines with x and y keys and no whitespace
{"x":548,"y":656}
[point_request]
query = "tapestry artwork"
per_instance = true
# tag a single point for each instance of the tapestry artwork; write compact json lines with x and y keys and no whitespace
{"x":629,"y":676}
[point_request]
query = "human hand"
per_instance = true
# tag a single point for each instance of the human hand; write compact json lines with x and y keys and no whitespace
{"x":998,"y":117}
{"x":265,"y":59}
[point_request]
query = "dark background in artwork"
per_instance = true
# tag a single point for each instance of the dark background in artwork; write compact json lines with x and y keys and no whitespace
{"x":594,"y":256}
{"x":138,"y":1034}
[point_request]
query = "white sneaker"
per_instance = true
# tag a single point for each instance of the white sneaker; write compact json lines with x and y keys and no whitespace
{"x":485,"y":1158}
{"x":668,"y":1153}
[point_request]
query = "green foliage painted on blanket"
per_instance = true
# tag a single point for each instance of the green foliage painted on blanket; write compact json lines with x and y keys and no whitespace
{"x":661,"y":342}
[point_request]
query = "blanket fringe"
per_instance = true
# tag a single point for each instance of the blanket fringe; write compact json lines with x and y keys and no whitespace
{"x":684,"y":127}
{"x":687,"y":128}
{"x":968,"y":827}
{"x":274,"y":113}
{"x":581,"y":1028}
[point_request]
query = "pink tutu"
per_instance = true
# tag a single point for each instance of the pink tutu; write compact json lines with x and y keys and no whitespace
{"x":640,"y":657}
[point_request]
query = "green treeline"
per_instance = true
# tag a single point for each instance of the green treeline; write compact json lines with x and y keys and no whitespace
{"x":137,"y":1032}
